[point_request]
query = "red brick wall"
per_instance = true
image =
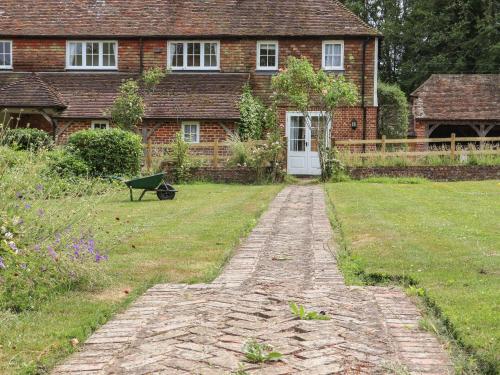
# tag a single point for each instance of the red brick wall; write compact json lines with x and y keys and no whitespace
{"x":210,"y":130}
{"x":341,"y":127}
{"x":43,"y":55}
{"x":237,"y":55}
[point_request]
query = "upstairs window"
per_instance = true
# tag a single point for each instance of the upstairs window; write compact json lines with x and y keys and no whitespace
{"x":5,"y":54}
{"x":191,"y":132}
{"x":333,"y":55}
{"x":193,"y":55}
{"x":91,"y":55}
{"x":267,"y":55}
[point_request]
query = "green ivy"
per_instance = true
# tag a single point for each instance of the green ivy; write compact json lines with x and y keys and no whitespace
{"x":393,"y":111}
{"x":252,"y":116}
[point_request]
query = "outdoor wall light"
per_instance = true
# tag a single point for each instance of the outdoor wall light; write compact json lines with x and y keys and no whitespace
{"x":354,"y":124}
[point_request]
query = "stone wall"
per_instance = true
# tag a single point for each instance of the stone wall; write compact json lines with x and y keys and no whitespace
{"x":441,"y":173}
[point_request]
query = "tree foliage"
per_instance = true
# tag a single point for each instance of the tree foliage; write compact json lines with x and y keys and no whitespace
{"x":422,"y":37}
{"x":300,"y":86}
{"x":393,"y":111}
{"x":128,"y":108}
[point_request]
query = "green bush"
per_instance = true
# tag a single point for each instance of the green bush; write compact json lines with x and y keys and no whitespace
{"x":66,"y":164}
{"x":111,"y":152}
{"x":27,"y":139}
{"x":393,"y":111}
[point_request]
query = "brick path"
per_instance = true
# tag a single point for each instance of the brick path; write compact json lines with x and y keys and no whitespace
{"x":200,"y":329}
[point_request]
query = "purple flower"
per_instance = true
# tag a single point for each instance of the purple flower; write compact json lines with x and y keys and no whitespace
{"x":2,"y":264}
{"x":39,"y":187}
{"x":27,"y":206}
{"x":51,"y":251}
{"x":13,"y":246}
{"x":37,"y":248}
{"x":99,"y":257}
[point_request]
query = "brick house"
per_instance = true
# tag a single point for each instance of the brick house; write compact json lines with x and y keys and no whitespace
{"x":465,"y":104}
{"x":61,"y":63}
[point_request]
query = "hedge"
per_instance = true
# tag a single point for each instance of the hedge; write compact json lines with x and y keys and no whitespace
{"x":108,"y":152}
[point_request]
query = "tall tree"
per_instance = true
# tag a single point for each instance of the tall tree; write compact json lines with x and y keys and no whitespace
{"x":422,"y":37}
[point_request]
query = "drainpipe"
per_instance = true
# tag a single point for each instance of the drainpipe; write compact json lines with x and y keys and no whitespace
{"x":141,"y":56}
{"x":363,"y":89}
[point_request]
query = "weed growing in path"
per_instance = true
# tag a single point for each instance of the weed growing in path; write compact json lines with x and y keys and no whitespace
{"x":260,"y":353}
{"x":300,"y":312}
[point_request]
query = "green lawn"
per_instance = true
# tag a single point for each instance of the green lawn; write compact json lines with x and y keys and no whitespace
{"x":446,"y":236}
{"x":186,"y":240}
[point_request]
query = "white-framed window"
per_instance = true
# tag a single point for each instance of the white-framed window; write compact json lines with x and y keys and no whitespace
{"x":99,"y":125}
{"x":333,"y":55}
{"x":5,"y":54}
{"x":267,"y":55}
{"x":191,"y":131}
{"x":90,"y":55}
{"x":193,"y":55}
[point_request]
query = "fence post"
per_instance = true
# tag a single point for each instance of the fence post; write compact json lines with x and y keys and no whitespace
{"x":383,"y":146}
{"x":215,"y":160}
{"x":149,"y":155}
{"x":453,"y":146}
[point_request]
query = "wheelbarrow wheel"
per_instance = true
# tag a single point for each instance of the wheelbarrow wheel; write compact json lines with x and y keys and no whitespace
{"x":165,"y":192}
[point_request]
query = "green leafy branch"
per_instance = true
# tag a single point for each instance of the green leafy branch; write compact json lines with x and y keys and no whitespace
{"x":260,"y":353}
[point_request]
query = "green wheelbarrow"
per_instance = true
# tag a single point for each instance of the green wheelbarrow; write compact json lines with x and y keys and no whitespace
{"x":156,"y":182}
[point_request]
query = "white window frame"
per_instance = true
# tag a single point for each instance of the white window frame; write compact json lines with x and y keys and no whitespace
{"x":84,"y":55}
{"x":191,"y":123}
{"x":11,"y":54}
{"x":276,"y":43}
{"x":94,"y":122}
{"x":323,"y":57}
{"x":185,"y":54}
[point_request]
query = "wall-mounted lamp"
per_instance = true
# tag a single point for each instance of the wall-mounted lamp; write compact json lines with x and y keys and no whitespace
{"x":354,"y":124}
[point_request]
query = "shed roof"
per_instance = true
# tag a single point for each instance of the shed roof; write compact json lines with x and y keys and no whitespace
{"x":455,"y":97}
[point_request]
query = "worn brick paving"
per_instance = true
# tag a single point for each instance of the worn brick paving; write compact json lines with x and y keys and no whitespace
{"x":201,"y":329}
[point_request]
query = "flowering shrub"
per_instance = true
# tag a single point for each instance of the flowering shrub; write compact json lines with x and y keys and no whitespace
{"x":46,"y":242}
{"x":36,"y":262}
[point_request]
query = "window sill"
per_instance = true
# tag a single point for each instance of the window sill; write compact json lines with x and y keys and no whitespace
{"x":6,"y":68}
{"x":266,"y":71}
{"x":91,"y":69}
{"x":334,"y":70}
{"x":195,"y":71}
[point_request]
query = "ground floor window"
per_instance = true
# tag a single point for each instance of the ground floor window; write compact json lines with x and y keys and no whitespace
{"x":99,"y":125}
{"x":191,"y":132}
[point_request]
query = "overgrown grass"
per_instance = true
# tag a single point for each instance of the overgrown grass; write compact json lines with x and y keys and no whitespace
{"x":441,"y":238}
{"x":465,"y":155}
{"x":185,"y":240}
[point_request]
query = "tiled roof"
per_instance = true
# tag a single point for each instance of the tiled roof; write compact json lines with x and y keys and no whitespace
{"x":179,"y":18}
{"x":458,"y":97}
{"x":183,"y":96}
{"x":30,"y":91}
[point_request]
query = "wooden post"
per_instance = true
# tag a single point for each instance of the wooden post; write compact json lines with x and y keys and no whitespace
{"x":382,"y":149}
{"x":215,"y":160}
{"x":149,"y":155}
{"x":453,"y":146}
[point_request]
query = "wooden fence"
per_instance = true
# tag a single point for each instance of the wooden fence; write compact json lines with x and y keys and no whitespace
{"x":213,"y":153}
{"x":407,"y":147}
{"x":218,"y":152}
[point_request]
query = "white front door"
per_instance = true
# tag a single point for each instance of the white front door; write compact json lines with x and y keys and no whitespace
{"x":303,"y":157}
